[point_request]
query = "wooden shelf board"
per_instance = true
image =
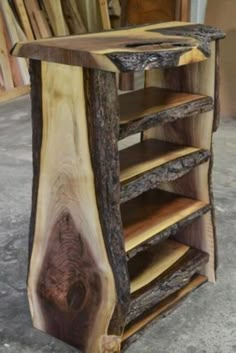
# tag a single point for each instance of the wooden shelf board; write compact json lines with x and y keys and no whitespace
{"x":158,"y":261}
{"x":149,"y":154}
{"x":164,"y":306}
{"x":152,"y":212}
{"x":152,"y":100}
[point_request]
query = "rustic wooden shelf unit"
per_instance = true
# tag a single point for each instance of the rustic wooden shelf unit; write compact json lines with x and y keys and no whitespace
{"x":117,"y":238}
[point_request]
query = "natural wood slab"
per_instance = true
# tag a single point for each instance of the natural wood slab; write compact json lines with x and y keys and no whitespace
{"x":170,"y":281}
{"x":132,"y":49}
{"x":5,"y":67}
{"x":136,"y":329}
{"x":73,"y":16}
{"x":37,"y":19}
{"x":147,"y":155}
{"x":168,"y":171}
{"x":152,"y":213}
{"x":144,"y":269}
{"x":21,"y":11}
{"x":142,"y":109}
{"x":73,"y":292}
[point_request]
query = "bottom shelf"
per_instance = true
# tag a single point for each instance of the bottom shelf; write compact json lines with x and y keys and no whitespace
{"x":159,"y":272}
{"x":134,"y":329}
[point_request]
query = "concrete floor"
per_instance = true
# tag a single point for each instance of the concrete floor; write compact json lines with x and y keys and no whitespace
{"x":204,"y":323}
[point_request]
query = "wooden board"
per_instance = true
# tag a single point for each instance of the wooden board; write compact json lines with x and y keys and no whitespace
{"x":56,"y":17}
{"x":21,"y":10}
{"x":147,"y":107}
{"x":90,"y":13}
{"x":153,"y":212}
{"x":162,"y":308}
{"x":73,"y":291}
{"x":149,"y":11}
{"x":132,"y":49}
{"x":73,"y":17}
{"x":37,"y":19}
{"x":170,"y":281}
{"x":143,"y":270}
{"x":147,"y":155}
{"x":105,"y":14}
{"x":4,"y":59}
{"x":15,"y":34}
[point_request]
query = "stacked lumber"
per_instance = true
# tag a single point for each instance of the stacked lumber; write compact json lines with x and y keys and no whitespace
{"x":22,"y":20}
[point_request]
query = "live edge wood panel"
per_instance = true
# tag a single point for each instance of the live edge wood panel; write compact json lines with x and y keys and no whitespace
{"x":131,"y":49}
{"x":197,"y":132}
{"x":77,"y":283}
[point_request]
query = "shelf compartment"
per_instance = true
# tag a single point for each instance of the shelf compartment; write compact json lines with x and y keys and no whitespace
{"x":150,"y":264}
{"x":162,"y":270}
{"x":162,"y":309}
{"x":144,"y":108}
{"x":146,"y":164}
{"x":155,"y":215}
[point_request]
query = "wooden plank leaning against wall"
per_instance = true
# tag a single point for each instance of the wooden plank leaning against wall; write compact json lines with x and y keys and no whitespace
{"x":37,"y":19}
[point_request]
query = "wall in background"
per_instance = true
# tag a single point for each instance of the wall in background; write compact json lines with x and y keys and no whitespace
{"x":221,"y":13}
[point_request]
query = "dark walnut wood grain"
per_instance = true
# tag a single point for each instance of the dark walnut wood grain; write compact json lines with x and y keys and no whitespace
{"x":147,"y":164}
{"x":130,"y":49}
{"x":172,"y":280}
{"x":69,"y":285}
{"x":135,"y":330}
{"x":142,"y":109}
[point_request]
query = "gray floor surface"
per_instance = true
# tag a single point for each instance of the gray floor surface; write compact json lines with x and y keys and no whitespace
{"x":204,"y":323}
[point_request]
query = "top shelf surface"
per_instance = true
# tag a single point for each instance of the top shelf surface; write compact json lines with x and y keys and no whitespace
{"x":131,"y":49}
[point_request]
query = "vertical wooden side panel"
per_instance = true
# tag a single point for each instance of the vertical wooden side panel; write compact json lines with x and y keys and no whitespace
{"x":71,"y":284}
{"x":103,"y":117}
{"x":37,"y":130}
{"x":195,"y":131}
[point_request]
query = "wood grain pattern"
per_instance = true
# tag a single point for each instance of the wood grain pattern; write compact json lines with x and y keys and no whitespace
{"x":196,"y":78}
{"x":105,"y":14}
{"x":167,"y":172}
{"x":91,"y":16}
{"x":172,"y":280}
{"x":153,"y":212}
{"x":56,"y":17}
{"x":144,"y":108}
{"x":15,"y":35}
{"x":132,"y":49}
{"x":143,"y":270}
{"x":4,"y":60}
{"x":71,"y":284}
{"x":37,"y":19}
{"x":73,"y":17}
{"x":134,"y":331}
{"x":21,"y":10}
{"x":147,"y":155}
